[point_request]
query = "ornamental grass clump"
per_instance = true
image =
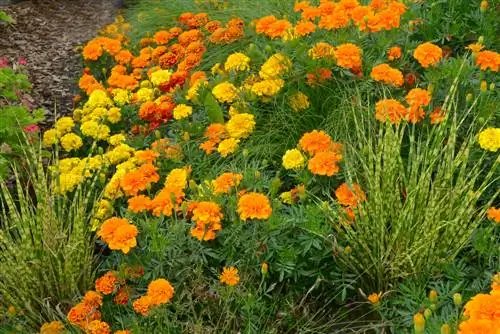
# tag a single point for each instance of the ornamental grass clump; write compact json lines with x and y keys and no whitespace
{"x":427,"y":191}
{"x":46,"y":246}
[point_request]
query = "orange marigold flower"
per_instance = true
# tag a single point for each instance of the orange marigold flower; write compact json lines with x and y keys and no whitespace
{"x":488,"y":59}
{"x":122,"y":296}
{"x":81,"y":314}
{"x":138,"y":180}
{"x":262,"y":25}
{"x":226,"y":181}
{"x":92,"y":298}
{"x":387,"y":74}
{"x":106,"y":283}
{"x":229,"y":276}
{"x":92,"y":51}
{"x":338,"y":19}
{"x":315,"y":141}
{"x":119,"y":234}
{"x":390,"y":110}
{"x":475,"y":326}
{"x":124,"y":57}
{"x":324,"y":163}
{"x":139,"y":203}
{"x":146,"y":156}
{"x":162,"y":37}
{"x":350,"y":198}
{"x":300,"y":6}
{"x":494,"y":214}
{"x":53,"y":327}
{"x":207,"y":216}
{"x":428,"y":54}
{"x":348,"y":55}
{"x":437,"y":115}
{"x":304,"y":28}
{"x":483,"y":307}
{"x":311,"y":13}
{"x":213,"y":25}
{"x":142,"y":305}
{"x":160,"y":291}
{"x":415,"y":114}
{"x":216,"y":132}
{"x":254,"y":206}
{"x":97,"y":327}
{"x":418,"y":97}
{"x":394,"y":53}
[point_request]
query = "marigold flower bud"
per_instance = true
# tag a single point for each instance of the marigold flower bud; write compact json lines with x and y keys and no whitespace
{"x":419,"y":323}
{"x":492,"y":86}
{"x":430,"y":88}
{"x":457,"y":299}
{"x":484,"y":86}
{"x":427,"y":313}
{"x":264,"y":268}
{"x":445,"y":329}
{"x":480,"y":40}
{"x":245,"y":153}
{"x":347,"y":250}
{"x":468,"y":98}
{"x":484,"y":6}
{"x":157,"y":134}
{"x":433,"y":296}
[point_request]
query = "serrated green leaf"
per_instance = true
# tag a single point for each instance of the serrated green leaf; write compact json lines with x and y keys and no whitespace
{"x":6,"y":18}
{"x":214,"y":111}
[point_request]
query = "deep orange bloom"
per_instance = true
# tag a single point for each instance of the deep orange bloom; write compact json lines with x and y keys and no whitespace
{"x":97,"y":327}
{"x":160,"y":291}
{"x":488,"y":59}
{"x":415,"y":114}
{"x":437,"y":115}
{"x":92,"y":298}
{"x":106,"y":284}
{"x":348,"y":55}
{"x":124,"y":57}
{"x":82,"y":314}
{"x":324,"y":163}
{"x":119,"y":234}
{"x":208,"y":217}
{"x":338,"y":19}
{"x":428,"y":54}
{"x":162,"y":37}
{"x":418,"y":97}
{"x":494,"y":214}
{"x":138,"y":180}
{"x":142,"y":305}
{"x":229,"y":276}
{"x":315,"y":141}
{"x":139,"y":203}
{"x":390,"y":110}
{"x":254,"y":206}
{"x":226,"y":181}
{"x":122,"y":296}
{"x":394,"y":53}
{"x":387,"y":74}
{"x":303,"y":28}
{"x":350,"y":198}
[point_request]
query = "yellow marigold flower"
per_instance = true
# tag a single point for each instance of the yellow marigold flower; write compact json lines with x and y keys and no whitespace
{"x":217,"y":69}
{"x":98,"y":98}
{"x":160,"y":76}
{"x":475,"y":47}
{"x":117,"y":139}
{"x":119,"y":154}
{"x":177,"y":178}
{"x":276,"y":65}
{"x":286,"y":197}
{"x":228,"y":146}
{"x":293,"y":159}
{"x":322,"y":50}
{"x":268,"y":87}
{"x":121,"y":96}
{"x":237,"y":62}
{"x":145,"y":94}
{"x":95,"y":130}
{"x":64,"y":125}
{"x":229,"y":276}
{"x":419,"y":323}
{"x":240,"y":125}
{"x":182,"y":111}
{"x":489,"y":139}
{"x":225,"y":92}
{"x":114,"y":115}
{"x":160,"y":291}
{"x":254,"y":206}
{"x":54,"y":327}
{"x":192,"y":92}
{"x":50,"y":138}
{"x":299,"y":101}
{"x":71,"y":141}
{"x":428,"y":54}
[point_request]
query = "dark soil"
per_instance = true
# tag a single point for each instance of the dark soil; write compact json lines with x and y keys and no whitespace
{"x":48,"y":34}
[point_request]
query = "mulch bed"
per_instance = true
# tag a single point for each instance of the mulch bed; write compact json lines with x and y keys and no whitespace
{"x":48,"y":34}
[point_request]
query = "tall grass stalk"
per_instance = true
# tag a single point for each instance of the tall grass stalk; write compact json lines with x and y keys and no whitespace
{"x":426,"y":189}
{"x":46,"y":247}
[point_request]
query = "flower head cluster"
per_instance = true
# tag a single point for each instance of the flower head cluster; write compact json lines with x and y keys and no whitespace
{"x":119,"y":234}
{"x":387,"y":74}
{"x":160,"y":291}
{"x":489,"y":139}
{"x":428,"y":54}
{"x":207,"y":217}
{"x":254,"y":206}
{"x":229,"y":276}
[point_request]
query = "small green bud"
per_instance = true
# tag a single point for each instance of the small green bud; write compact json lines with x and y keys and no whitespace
{"x":427,"y":313}
{"x":268,"y":48}
{"x":157,"y":134}
{"x":445,"y":329}
{"x":457,"y":299}
{"x":492,"y":86}
{"x":245,"y":153}
{"x":480,"y":40}
{"x":468,"y":98}
{"x":433,"y":295}
{"x":484,"y":86}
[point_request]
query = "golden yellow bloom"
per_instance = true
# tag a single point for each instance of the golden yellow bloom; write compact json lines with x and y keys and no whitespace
{"x":64,"y":125}
{"x":182,"y":111}
{"x":50,"y":137}
{"x":117,"y":139}
{"x":322,"y":50}
{"x":114,"y":115}
{"x":121,"y":96}
{"x":95,"y":130}
{"x":293,"y":159}
{"x":54,"y":327}
{"x":71,"y":141}
{"x":276,"y":65}
{"x":160,"y":76}
{"x":267,"y":88}
{"x":145,"y":94}
{"x":489,"y":139}
{"x":299,"y":101}
{"x":237,"y":62}
{"x":240,"y":125}
{"x":225,"y":92}
{"x":228,"y":146}
{"x":374,"y":298}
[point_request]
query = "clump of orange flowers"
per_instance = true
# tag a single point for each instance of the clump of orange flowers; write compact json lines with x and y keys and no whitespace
{"x":225,"y":182}
{"x":208,"y":219}
{"x":325,"y":153}
{"x":394,"y":53}
{"x":494,"y":214}
{"x":488,"y":60}
{"x":159,"y":292}
{"x":348,"y":55}
{"x":119,"y":234}
{"x":253,"y":205}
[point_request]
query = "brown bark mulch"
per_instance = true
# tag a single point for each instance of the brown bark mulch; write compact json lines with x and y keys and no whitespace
{"x":48,"y":34}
